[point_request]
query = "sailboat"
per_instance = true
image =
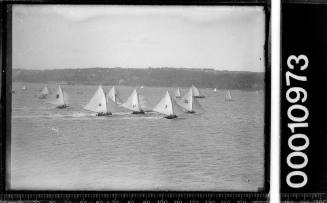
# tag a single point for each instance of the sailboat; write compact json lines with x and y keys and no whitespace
{"x":178,"y":93}
{"x":98,"y":103}
{"x":166,"y":106}
{"x":132,"y":103}
{"x":145,"y":106}
{"x":24,"y":87}
{"x":113,"y":94}
{"x":228,"y":96}
{"x":215,"y":90}
{"x":44,"y":92}
{"x":196,"y":92}
{"x":60,"y":99}
{"x":189,"y":102}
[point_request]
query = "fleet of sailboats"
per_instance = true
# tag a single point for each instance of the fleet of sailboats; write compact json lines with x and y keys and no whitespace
{"x":60,"y":99}
{"x":106,"y":104}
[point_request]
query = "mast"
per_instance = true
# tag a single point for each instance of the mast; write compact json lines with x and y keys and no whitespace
{"x":178,"y":93}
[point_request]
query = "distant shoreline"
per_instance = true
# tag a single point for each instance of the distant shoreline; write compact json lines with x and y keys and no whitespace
{"x":152,"y":77}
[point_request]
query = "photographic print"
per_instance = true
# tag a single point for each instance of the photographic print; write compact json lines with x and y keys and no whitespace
{"x":155,"y":98}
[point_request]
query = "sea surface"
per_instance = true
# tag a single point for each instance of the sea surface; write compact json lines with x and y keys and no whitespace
{"x":221,"y":148}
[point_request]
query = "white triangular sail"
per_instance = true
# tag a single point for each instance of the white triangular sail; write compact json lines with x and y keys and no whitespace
{"x":132,"y":103}
{"x":45,"y":91}
{"x":228,"y":96}
{"x":187,"y":100}
{"x":196,"y":92}
{"x":60,"y":99}
{"x":98,"y":102}
{"x":24,"y":87}
{"x":215,"y":90}
{"x":165,"y":105}
{"x":113,"y":94}
{"x":178,"y":93}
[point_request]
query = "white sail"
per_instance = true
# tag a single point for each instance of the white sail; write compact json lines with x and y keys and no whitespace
{"x":144,"y":103}
{"x":178,"y":93}
{"x":132,"y":102}
{"x":196,"y":92}
{"x":215,"y":90}
{"x":165,"y":105}
{"x":98,"y":102}
{"x":59,"y":97}
{"x":24,"y":87}
{"x":113,"y":94}
{"x":228,"y":96}
{"x":45,"y":91}
{"x":187,"y":100}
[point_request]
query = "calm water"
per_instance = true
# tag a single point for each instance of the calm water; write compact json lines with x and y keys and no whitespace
{"x":71,"y":149}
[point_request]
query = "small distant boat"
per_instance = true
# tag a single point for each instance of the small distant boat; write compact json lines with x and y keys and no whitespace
{"x":24,"y":87}
{"x":61,"y":98}
{"x":178,"y":93}
{"x":113,"y":94}
{"x":133,"y":103}
{"x":166,"y":106}
{"x":98,"y":103}
{"x":215,"y":90}
{"x":189,"y":102}
{"x":228,"y":96}
{"x":142,"y":87}
{"x":44,"y":92}
{"x":196,"y":92}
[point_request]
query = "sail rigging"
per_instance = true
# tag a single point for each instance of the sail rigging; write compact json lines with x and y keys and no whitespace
{"x":132,"y":103}
{"x":98,"y":102}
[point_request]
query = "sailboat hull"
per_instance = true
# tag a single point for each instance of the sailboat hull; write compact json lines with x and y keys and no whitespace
{"x":190,"y":112}
{"x":138,"y":112}
{"x":104,"y":114}
{"x":62,"y":106}
{"x":170,"y":117}
{"x":201,"y":97}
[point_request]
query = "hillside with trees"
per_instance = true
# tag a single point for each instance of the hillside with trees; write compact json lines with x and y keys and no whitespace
{"x":167,"y":77}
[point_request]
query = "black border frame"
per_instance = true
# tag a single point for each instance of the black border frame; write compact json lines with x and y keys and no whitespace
{"x":6,"y":83}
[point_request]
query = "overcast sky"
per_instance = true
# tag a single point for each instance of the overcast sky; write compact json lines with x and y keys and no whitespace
{"x":219,"y":37}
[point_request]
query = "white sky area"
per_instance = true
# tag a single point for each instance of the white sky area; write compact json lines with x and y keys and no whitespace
{"x":70,"y":36}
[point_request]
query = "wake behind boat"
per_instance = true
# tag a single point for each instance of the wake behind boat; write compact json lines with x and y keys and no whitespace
{"x":99,"y":103}
{"x":132,"y":103}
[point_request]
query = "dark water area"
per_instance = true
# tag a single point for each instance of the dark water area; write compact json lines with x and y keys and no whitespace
{"x":220,"y":148}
